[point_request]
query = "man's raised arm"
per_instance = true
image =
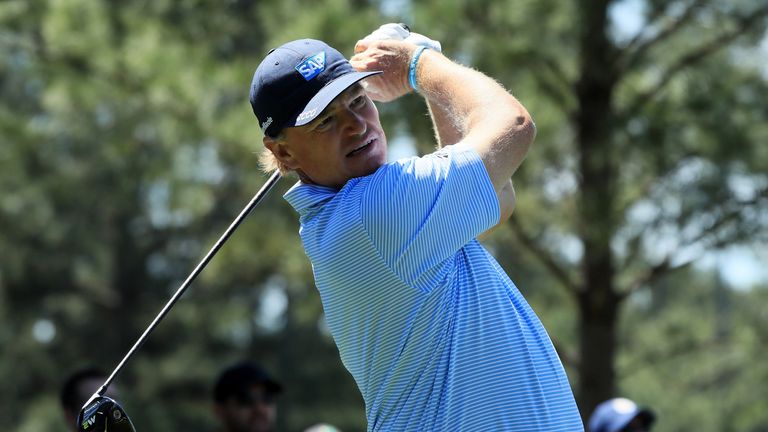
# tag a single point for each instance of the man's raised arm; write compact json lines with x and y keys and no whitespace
{"x":466,"y":105}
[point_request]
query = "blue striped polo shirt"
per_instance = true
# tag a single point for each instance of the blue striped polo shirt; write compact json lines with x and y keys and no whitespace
{"x":434,"y":332}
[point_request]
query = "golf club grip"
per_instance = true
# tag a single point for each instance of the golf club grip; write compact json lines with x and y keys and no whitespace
{"x":257,"y":198}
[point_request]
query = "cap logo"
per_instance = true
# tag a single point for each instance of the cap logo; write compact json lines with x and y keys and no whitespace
{"x":266,"y":123}
{"x":306,"y":114}
{"x":312,"y":66}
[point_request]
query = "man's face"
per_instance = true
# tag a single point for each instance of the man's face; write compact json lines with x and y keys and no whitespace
{"x":344,"y":142}
{"x":256,"y":413}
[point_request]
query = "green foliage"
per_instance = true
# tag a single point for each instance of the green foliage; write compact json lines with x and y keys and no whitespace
{"x":689,"y":351}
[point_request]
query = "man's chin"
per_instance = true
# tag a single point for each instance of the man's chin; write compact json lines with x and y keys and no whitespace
{"x":374,"y":163}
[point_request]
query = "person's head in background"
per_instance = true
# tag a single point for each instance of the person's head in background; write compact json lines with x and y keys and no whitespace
{"x":621,"y":415}
{"x":244,"y":399}
{"x":76,"y":390}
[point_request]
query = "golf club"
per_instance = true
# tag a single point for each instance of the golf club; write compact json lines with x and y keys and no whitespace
{"x":101,"y":413}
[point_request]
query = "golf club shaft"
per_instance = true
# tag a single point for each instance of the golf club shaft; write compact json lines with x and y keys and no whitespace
{"x":180,"y":291}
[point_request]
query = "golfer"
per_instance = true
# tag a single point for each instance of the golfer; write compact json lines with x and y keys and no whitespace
{"x":435,"y":334}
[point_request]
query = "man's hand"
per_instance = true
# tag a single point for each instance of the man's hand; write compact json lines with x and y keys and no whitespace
{"x":381,"y":88}
{"x":396,"y":31}
{"x":391,"y":56}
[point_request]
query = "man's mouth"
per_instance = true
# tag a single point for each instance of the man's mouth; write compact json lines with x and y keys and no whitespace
{"x":362,"y":147}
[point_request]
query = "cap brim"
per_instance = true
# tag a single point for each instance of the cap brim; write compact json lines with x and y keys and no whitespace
{"x":325,"y":96}
{"x":621,"y":421}
{"x":646,"y":416}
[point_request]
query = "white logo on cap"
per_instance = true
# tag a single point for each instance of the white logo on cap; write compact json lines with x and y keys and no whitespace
{"x":266,"y":123}
{"x":306,"y":114}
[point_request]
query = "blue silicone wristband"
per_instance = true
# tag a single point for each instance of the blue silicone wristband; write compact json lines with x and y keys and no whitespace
{"x":412,"y":67}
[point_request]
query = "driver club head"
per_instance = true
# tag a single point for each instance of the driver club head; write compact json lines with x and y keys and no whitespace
{"x":102,"y":414}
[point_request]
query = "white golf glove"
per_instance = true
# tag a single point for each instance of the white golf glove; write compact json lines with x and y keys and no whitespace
{"x":395,"y":31}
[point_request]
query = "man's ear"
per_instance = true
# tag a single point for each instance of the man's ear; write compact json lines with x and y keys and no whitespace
{"x":279,"y":148}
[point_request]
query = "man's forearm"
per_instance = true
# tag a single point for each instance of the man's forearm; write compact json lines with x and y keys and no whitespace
{"x":448,"y":130}
{"x":467,"y":105}
{"x":466,"y":100}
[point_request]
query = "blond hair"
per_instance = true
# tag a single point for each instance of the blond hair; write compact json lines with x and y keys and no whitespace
{"x":269,"y":163}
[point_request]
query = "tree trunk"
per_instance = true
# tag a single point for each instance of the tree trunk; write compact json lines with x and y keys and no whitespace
{"x":598,"y":310}
{"x":598,"y":302}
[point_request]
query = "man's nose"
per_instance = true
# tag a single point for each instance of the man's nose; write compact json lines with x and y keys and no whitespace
{"x":354,"y":123}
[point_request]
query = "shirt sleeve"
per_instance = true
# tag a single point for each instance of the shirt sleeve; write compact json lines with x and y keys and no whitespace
{"x":420,"y":212}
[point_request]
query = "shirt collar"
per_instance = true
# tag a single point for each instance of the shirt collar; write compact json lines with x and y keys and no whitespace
{"x":307,"y":197}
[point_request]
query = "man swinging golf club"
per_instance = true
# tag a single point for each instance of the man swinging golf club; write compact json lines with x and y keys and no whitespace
{"x":433,"y":331}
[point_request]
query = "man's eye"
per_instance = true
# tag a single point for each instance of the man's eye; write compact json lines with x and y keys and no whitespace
{"x":324,"y":122}
{"x":358,"y":101}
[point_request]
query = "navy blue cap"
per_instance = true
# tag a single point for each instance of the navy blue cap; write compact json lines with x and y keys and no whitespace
{"x":615,"y":414}
{"x":297,"y":81}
